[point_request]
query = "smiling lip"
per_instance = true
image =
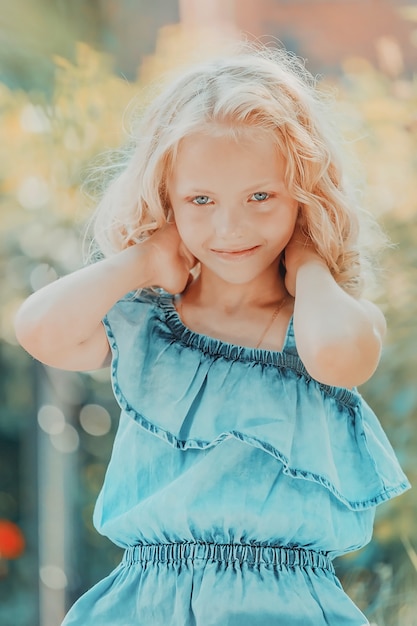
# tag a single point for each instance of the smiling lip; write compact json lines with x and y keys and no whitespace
{"x":236,"y":254}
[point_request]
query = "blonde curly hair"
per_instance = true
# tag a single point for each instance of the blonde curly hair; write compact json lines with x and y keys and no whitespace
{"x":255,"y":87}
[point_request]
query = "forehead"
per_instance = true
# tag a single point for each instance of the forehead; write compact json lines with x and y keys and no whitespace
{"x":249,"y":154}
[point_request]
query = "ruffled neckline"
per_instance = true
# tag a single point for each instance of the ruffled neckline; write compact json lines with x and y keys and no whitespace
{"x":211,"y":346}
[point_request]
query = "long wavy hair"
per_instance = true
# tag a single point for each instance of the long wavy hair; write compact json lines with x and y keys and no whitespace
{"x":257,"y":87}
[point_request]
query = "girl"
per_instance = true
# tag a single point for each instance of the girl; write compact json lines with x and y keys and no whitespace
{"x":230,"y":302}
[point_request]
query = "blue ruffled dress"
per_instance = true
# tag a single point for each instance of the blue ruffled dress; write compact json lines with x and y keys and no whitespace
{"x":234,"y":481}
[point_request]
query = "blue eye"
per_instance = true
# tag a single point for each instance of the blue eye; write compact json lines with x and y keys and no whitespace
{"x":201,"y":200}
{"x":260,"y":196}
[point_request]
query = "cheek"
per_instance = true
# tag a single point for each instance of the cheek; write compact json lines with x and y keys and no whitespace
{"x":179,"y":218}
{"x":291,"y":227}
{"x":191,"y":223}
{"x":185,"y":228}
{"x":283,"y":226}
{"x":292,"y":220}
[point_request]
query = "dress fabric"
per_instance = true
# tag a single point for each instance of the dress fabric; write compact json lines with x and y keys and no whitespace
{"x":235,"y":479}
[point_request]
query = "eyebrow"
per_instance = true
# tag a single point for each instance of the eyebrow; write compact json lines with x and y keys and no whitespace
{"x":195,"y":191}
{"x":260,"y":186}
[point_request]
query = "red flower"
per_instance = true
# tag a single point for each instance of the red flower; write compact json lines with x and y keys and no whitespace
{"x":12,"y":542}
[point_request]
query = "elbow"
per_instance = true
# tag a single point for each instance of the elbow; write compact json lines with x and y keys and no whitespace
{"x":343,"y":350}
{"x":29,"y":329}
{"x":344,"y":365}
{"x":24,"y":328}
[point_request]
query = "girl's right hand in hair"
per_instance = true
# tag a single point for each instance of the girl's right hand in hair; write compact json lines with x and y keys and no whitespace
{"x":171,"y":260}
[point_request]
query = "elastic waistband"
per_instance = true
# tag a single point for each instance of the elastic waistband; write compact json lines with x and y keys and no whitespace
{"x":243,"y":553}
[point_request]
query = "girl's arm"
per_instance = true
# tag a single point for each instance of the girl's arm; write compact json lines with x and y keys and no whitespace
{"x":60,"y":324}
{"x":339,"y":338}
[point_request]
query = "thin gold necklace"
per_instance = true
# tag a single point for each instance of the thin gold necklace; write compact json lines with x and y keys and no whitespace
{"x":268,"y":326}
{"x":272,"y":320}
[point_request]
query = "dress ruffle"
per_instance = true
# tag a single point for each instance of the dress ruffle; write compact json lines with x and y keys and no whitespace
{"x":190,"y":390}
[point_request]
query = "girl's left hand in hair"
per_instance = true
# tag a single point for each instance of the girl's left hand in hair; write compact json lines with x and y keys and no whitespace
{"x":299,"y":250}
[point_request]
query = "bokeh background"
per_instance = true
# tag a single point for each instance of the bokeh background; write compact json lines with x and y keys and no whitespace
{"x":69,"y":70}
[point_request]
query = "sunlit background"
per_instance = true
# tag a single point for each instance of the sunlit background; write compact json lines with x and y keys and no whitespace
{"x":68,"y":71}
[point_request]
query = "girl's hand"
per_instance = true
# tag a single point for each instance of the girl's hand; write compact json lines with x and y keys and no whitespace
{"x":171,"y":260}
{"x":299,"y":250}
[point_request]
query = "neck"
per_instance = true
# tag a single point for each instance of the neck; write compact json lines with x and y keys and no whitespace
{"x":208,"y":289}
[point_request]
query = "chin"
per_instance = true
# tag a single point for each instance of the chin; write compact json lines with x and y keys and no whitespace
{"x":237,"y":279}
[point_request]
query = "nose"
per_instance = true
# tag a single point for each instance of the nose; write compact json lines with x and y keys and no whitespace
{"x":228,"y":222}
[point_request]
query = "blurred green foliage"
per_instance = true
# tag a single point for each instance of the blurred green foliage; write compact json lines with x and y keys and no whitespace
{"x":65,"y":109}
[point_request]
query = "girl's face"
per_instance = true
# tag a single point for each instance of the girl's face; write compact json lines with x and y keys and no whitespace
{"x":231,"y":206}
